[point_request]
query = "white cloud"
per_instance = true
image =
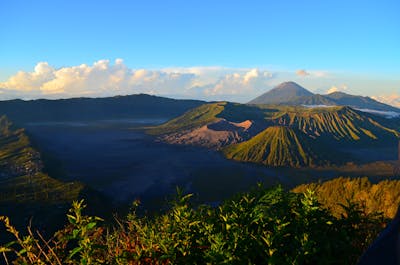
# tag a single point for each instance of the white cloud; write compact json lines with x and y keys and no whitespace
{"x":106,"y":79}
{"x":391,"y":99}
{"x":109,"y":78}
{"x":340,"y":88}
{"x":30,"y":81}
{"x":99,"y":79}
{"x":244,"y":82}
{"x":312,"y":74}
{"x":302,"y":72}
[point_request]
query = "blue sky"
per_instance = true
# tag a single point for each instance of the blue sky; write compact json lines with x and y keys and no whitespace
{"x":356,"y":43}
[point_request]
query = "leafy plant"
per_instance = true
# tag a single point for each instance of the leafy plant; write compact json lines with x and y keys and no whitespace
{"x":263,"y":226}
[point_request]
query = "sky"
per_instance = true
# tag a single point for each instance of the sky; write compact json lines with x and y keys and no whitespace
{"x":212,"y":50}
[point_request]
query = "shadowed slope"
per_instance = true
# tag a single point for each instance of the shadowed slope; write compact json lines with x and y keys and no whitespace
{"x":90,"y":109}
{"x":21,"y":176}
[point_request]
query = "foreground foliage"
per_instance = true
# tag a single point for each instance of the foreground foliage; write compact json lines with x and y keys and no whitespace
{"x":383,"y":196}
{"x":264,"y":226}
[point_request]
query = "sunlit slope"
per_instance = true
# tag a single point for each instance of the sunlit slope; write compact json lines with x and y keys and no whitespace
{"x":334,"y":123}
{"x":210,"y":113}
{"x":21,"y":176}
{"x":196,"y":117}
{"x":313,"y":137}
{"x":375,"y":197}
{"x":338,"y":123}
{"x":213,"y":125}
{"x":275,"y":146}
{"x":295,"y":136}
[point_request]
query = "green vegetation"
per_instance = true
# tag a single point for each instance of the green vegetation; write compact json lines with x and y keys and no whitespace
{"x":335,"y":123}
{"x":263,"y":226}
{"x":194,"y":118}
{"x":381,"y":197}
{"x":236,"y":112}
{"x":21,"y":176}
{"x":276,"y":146}
{"x":294,"y":136}
{"x":39,"y":187}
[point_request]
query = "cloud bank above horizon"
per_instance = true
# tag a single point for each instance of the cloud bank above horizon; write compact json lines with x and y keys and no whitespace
{"x":103,"y":78}
{"x":106,"y":79}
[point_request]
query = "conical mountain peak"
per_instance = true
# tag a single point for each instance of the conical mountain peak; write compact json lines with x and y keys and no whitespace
{"x":284,"y":92}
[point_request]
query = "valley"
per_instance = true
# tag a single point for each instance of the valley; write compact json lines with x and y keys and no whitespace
{"x":121,"y":161}
{"x":213,"y":150}
{"x":199,"y":132}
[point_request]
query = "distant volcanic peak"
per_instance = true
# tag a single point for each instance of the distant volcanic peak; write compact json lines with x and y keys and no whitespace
{"x":282,"y":93}
{"x":293,"y":87}
{"x":338,"y":93}
{"x":290,"y":84}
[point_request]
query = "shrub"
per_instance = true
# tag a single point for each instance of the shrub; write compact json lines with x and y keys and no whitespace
{"x":263,"y":226}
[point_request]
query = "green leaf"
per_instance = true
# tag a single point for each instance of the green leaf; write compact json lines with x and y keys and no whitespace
{"x":71,"y":219}
{"x":4,"y":249}
{"x":74,"y":251}
{"x":75,"y":233}
{"x":22,"y":251}
{"x":91,"y":225}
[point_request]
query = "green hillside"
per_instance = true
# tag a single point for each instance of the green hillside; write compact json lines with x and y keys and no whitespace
{"x":21,"y":176}
{"x":295,"y":136}
{"x":275,"y":146}
{"x":380,"y":197}
{"x":196,"y":117}
{"x":336,"y":122}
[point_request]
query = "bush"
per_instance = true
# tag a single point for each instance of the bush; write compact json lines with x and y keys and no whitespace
{"x":263,"y":226}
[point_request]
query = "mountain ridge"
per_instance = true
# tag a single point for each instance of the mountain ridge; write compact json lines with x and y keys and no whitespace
{"x":311,"y":131}
{"x":290,"y":93}
{"x":82,"y":109}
